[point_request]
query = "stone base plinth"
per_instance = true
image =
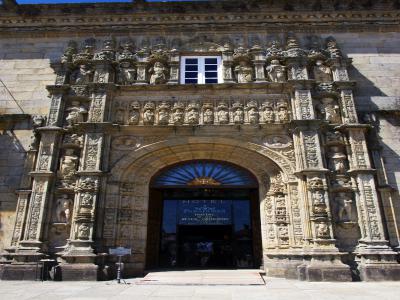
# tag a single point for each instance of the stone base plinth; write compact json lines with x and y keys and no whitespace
{"x":78,"y":272}
{"x":20,"y":272}
{"x":322,"y":272}
{"x":282,"y":267}
{"x":379,"y":272}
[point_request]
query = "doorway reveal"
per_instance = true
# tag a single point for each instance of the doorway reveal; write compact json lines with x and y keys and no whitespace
{"x":204,"y":214}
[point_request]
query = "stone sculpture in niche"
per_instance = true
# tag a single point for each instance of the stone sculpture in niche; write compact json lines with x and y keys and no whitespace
{"x":252,"y":112}
{"x":178,"y":113}
{"x":244,"y":72}
{"x":64,"y":209}
{"x":208,"y":113}
{"x":238,"y":114}
{"x":329,"y":110}
{"x":276,"y":72}
{"x":268,"y":112}
{"x":282,"y":114}
{"x":83,"y":231}
{"x":337,"y":160}
{"x":83,"y":75}
{"x":192,"y":113}
{"x":223,"y":114}
{"x":76,"y":113}
{"x":322,"y":73}
{"x":158,"y":73}
{"x":163,"y":113}
{"x":68,"y":165}
{"x":126,"y":73}
{"x":334,"y":137}
{"x":318,"y":200}
{"x":322,"y":230}
{"x":148,"y":113}
{"x":345,"y":207}
{"x":134,"y":113}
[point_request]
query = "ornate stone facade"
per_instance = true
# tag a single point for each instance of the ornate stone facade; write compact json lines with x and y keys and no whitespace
{"x":284,"y":110}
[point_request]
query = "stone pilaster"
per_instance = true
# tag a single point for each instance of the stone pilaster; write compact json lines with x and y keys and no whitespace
{"x":376,"y":260}
{"x":141,"y":64}
{"x":227,"y":62}
{"x":259,"y":63}
{"x":174,"y":67}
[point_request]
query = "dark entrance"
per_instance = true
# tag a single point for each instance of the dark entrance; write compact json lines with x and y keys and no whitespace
{"x":204,"y":225}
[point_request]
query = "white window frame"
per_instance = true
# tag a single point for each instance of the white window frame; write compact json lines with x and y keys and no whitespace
{"x":201,"y":69}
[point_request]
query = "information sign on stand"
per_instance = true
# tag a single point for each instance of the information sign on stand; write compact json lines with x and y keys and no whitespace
{"x":120,"y":251}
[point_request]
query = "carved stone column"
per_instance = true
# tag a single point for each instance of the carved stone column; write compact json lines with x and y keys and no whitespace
{"x":174,"y":67}
{"x":227,"y":61}
{"x":376,"y":260}
{"x":259,"y":63}
{"x":323,"y":261}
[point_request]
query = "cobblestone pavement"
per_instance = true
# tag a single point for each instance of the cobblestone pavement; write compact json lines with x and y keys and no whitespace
{"x":136,"y":290}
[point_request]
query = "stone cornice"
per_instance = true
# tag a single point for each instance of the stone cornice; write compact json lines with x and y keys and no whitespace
{"x":100,"y":19}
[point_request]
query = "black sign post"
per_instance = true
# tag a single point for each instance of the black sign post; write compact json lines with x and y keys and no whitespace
{"x":120,"y":251}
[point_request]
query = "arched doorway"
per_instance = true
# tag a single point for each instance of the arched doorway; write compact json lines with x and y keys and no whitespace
{"x":203,"y":214}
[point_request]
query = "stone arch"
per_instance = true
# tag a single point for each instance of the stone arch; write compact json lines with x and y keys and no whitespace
{"x":131,"y":176}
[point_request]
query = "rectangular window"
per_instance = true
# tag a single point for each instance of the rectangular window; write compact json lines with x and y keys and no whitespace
{"x":201,"y":69}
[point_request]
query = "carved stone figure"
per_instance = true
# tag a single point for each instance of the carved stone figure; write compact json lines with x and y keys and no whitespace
{"x":158,"y":73}
{"x":76,"y":113}
{"x":322,"y":230}
{"x":223,"y":114}
{"x":318,"y":200}
{"x":37,"y":121}
{"x":268,"y":112}
{"x":64,"y":209}
{"x":276,"y":72}
{"x":126,"y":73}
{"x":345,"y":207}
{"x":192,"y":113}
{"x":208,"y":113}
{"x":322,"y":73}
{"x":148,"y":113}
{"x":88,"y":184}
{"x":244,"y":73}
{"x":134,"y":113}
{"x":83,"y":231}
{"x":329,"y":110}
{"x":82,"y":75}
{"x":337,"y":160}
{"x":334,"y":137}
{"x":86,"y":199}
{"x":252,"y":112}
{"x":282,"y":114}
{"x":238,"y":114}
{"x":68,"y":165}
{"x":163,"y":113}
{"x":315,"y":183}
{"x":178,"y":113}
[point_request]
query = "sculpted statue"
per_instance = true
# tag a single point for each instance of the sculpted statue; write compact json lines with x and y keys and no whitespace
{"x":252,"y":112}
{"x":276,"y":72}
{"x":268,"y":112}
{"x":83,"y":231}
{"x":208,"y":113}
{"x":192,"y":113}
{"x":126,"y":73}
{"x":82,"y":75}
{"x":148,"y":113}
{"x":337,"y":160}
{"x":335,"y":136}
{"x":238,"y":114}
{"x":76,"y":113}
{"x":178,"y":113}
{"x":329,"y":110}
{"x":322,"y":230}
{"x":282,"y":114}
{"x":345,"y":207}
{"x":315,"y":183}
{"x":69,"y":163}
{"x":64,"y":209}
{"x":134,"y":113}
{"x":244,"y":73}
{"x":322,"y":73}
{"x":87,"y":199}
{"x":158,"y":73}
{"x":318,"y":200}
{"x":163,"y":113}
{"x":223,"y":114}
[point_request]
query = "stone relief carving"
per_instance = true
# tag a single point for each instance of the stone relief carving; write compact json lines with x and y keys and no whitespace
{"x":337,"y":160}
{"x":178,"y":113}
{"x":163,"y":113}
{"x":126,"y":73}
{"x":237,"y":113}
{"x":158,"y":73}
{"x":223,"y":113}
{"x":345,"y":207}
{"x":83,"y":75}
{"x":252,"y":112}
{"x":208,"y":113}
{"x":277,"y":141}
{"x":134,"y":113}
{"x":329,"y":110}
{"x":148,"y":113}
{"x":192,"y":113}
{"x":68,"y":167}
{"x":126,"y":143}
{"x":76,"y":113}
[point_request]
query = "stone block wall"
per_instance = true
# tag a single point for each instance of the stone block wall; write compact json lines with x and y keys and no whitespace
{"x":25,"y":68}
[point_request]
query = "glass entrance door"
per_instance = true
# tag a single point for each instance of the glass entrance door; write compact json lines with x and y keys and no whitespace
{"x":206,"y":233}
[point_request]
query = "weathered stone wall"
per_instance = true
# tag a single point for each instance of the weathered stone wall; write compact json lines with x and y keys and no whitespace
{"x":26,"y":69}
